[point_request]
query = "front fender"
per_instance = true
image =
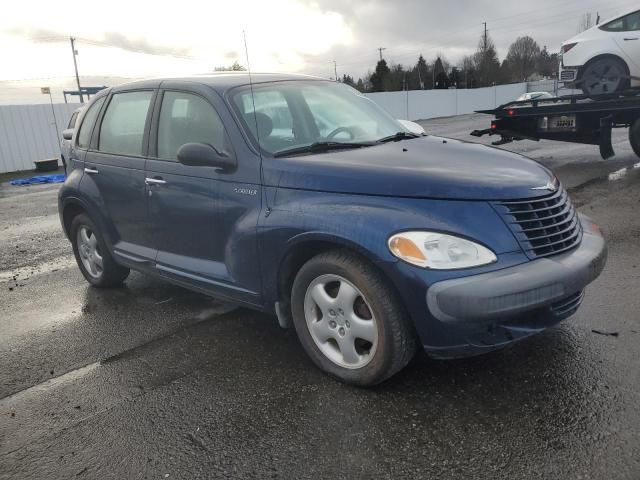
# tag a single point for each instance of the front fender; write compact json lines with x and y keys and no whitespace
{"x":588,"y":50}
{"x":364,"y":224}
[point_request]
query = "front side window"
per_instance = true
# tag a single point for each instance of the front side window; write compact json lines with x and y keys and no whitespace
{"x":188,"y":118}
{"x":84,"y":135}
{"x":122,"y":129}
{"x":300,"y":113}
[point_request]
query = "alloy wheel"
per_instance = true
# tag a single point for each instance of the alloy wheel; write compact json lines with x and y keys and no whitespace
{"x":340,"y":321}
{"x":603,"y":76}
{"x":89,"y":251}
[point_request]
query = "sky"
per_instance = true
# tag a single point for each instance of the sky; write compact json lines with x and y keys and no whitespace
{"x":119,"y":40}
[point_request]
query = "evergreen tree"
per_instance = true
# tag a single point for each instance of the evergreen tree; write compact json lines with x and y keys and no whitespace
{"x":486,"y":63}
{"x":380,"y":78}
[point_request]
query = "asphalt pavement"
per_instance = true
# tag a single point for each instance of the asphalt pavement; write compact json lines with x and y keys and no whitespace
{"x":154,"y":381}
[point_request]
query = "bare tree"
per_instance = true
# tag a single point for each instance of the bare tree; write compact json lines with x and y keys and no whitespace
{"x":585,"y":23}
{"x":521,"y":61}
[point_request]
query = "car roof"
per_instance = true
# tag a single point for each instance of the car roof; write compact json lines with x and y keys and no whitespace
{"x":223,"y":81}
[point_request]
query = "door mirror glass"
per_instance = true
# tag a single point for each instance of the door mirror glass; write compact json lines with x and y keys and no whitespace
{"x":204,"y":155}
{"x":67,"y":134}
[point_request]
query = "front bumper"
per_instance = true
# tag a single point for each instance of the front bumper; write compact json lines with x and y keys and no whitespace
{"x":490,"y":310}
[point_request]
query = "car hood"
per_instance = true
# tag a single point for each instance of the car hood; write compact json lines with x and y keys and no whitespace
{"x":425,"y":167}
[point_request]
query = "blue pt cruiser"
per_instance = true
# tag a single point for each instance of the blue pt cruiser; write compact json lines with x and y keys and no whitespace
{"x":300,"y":197}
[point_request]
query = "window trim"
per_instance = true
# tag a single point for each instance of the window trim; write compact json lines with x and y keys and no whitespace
{"x":152,"y":152}
{"x":95,"y":140}
{"x":93,"y":128}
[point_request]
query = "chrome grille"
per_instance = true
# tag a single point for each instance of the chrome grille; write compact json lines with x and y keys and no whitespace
{"x":543,"y":226}
{"x":567,"y":75}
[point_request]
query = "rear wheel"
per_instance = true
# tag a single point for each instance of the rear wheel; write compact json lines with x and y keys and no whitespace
{"x":606,"y":75}
{"x":95,"y":262}
{"x":349,"y":320}
{"x":634,"y":136}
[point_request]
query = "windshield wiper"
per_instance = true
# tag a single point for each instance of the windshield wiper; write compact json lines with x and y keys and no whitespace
{"x":319,"y":147}
{"x":398,"y":136}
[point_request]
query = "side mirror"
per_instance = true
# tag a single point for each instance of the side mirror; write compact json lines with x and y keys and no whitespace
{"x":67,"y":134}
{"x":413,"y":127}
{"x":203,"y":155}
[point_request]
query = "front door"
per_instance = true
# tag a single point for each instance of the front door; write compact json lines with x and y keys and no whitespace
{"x":203,"y":224}
{"x":114,"y":172}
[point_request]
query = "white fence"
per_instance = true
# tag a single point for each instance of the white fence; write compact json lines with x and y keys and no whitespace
{"x":424,"y":104}
{"x":28,"y":133}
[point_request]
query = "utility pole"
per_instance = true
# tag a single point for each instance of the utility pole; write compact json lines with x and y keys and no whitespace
{"x":484,"y":43}
{"x":380,"y":49}
{"x":335,"y":69}
{"x":75,"y":65}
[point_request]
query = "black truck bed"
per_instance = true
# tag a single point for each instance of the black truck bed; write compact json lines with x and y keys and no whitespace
{"x":573,"y":118}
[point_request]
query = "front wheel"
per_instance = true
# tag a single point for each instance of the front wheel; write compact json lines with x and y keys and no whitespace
{"x":349,"y":320}
{"x":95,"y":262}
{"x":604,"y":76}
{"x":634,"y":136}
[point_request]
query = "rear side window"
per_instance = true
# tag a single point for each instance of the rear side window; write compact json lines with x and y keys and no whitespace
{"x":628,"y":23}
{"x":122,"y":129}
{"x":84,"y":135}
{"x":187,"y":118}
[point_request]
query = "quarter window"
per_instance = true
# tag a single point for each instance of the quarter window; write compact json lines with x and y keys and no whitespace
{"x":187,"y":118}
{"x":72,"y":120}
{"x":84,"y":135}
{"x":122,"y":129}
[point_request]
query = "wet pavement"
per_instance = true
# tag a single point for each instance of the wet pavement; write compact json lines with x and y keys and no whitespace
{"x":153,"y":381}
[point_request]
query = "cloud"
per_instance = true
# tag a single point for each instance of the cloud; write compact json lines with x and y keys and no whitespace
{"x":141,"y":45}
{"x":109,"y":39}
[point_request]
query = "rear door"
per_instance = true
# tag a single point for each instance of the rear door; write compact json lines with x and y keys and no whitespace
{"x":626,"y":32}
{"x":114,"y":172}
{"x":203,"y":219}
{"x":78,"y":147}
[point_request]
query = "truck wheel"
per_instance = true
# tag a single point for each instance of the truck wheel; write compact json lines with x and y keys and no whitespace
{"x":634,"y":136}
{"x":95,"y":262}
{"x":604,"y":76}
{"x":349,"y":320}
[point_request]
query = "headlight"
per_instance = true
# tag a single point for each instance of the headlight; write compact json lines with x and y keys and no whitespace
{"x":439,"y":251}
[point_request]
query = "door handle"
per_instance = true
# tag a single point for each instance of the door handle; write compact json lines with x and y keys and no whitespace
{"x":630,"y":39}
{"x":154,"y":181}
{"x":92,"y":171}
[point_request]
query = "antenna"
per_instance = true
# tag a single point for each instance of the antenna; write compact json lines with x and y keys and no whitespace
{"x":255,"y":115}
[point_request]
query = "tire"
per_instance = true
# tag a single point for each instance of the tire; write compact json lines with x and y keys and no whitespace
{"x":359,"y":332}
{"x":604,"y":76}
{"x":90,"y":251}
{"x":634,"y":136}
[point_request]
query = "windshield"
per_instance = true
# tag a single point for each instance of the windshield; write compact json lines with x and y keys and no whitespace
{"x":303,"y":113}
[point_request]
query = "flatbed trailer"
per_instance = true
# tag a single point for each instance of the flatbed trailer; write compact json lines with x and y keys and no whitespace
{"x":571,"y":118}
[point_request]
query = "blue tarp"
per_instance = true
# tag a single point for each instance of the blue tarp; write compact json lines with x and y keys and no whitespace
{"x":58,"y":178}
